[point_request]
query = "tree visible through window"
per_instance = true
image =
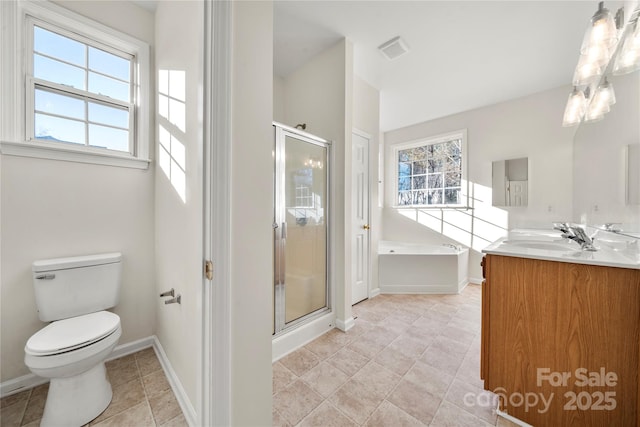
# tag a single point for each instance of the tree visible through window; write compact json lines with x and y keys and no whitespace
{"x":431,"y":174}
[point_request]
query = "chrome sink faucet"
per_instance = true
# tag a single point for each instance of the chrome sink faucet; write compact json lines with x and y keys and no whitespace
{"x":577,"y":234}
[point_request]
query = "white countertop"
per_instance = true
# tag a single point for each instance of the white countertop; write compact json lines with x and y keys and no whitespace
{"x":548,"y":245}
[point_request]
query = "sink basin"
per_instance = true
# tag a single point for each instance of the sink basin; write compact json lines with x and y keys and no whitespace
{"x":541,"y":245}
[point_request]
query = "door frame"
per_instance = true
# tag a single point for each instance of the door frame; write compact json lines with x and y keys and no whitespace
{"x":214,"y":398}
{"x":369,"y":138}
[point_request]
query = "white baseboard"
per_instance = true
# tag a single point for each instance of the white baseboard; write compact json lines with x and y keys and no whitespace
{"x":176,"y":386}
{"x":28,"y":381}
{"x":512,"y":419}
{"x":374,"y":292}
{"x":419,"y":289}
{"x":301,"y":336}
{"x":345,"y":325}
{"x":475,"y":281}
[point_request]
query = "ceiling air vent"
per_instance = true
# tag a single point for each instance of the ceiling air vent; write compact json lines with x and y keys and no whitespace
{"x":394,"y":48}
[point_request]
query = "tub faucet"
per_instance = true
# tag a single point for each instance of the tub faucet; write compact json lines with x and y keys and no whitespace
{"x":577,"y":234}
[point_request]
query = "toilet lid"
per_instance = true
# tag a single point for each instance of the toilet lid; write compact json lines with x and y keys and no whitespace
{"x":72,"y":333}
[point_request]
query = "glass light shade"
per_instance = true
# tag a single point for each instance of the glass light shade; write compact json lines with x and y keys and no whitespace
{"x":601,"y":31}
{"x":598,"y":54}
{"x":586,"y":72}
{"x":596,"y":109}
{"x":574,"y":110}
{"x":628,"y":59}
{"x":605,"y":93}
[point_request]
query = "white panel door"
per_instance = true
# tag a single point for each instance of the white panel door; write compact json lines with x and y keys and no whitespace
{"x":360,"y":219}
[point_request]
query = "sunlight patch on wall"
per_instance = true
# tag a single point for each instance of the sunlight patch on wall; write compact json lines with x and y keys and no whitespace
{"x":476,"y":227}
{"x":172,"y":161}
{"x":172,"y":156}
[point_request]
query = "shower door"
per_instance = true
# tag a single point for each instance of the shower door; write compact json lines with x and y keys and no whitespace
{"x":300,"y":227}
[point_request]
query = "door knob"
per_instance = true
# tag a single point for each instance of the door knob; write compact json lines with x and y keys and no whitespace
{"x":366,"y":227}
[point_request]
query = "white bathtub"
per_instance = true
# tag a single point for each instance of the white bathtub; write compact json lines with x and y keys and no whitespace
{"x":413,"y":268}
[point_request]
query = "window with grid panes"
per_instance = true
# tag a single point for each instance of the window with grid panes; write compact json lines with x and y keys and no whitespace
{"x":430,"y":173}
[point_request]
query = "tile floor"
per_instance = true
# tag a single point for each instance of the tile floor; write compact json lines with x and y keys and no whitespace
{"x":142,"y":397}
{"x":410,"y":360}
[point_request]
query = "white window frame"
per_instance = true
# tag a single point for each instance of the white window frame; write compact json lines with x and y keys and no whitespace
{"x":17,"y":85}
{"x":438,"y":139}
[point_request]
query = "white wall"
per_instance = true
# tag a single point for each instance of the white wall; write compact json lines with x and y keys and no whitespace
{"x":178,"y":202}
{"x":53,"y":208}
{"x":526,"y":127}
{"x":598,"y":162}
{"x":251,"y":213}
{"x":320,"y":93}
{"x":366,"y":118}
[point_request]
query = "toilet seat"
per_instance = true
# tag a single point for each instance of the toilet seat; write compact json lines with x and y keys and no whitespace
{"x":71,"y":334}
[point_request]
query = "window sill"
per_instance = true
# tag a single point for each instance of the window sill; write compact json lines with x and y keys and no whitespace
{"x":71,"y":154}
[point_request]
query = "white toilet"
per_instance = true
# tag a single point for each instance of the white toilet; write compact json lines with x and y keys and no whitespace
{"x":72,"y":294}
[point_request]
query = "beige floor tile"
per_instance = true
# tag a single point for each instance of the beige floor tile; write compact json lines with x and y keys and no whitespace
{"x":388,"y":414}
{"x":348,"y":361}
{"x":449,"y":415}
{"x":377,"y":379}
{"x":473,"y":400}
{"x":147,"y":361}
{"x":300,"y":361}
{"x":323,"y":347}
{"x":155,"y":383}
{"x":179,"y":421}
{"x":11,"y":415}
{"x":394,"y":360}
{"x":282,"y":377}
{"x":325,"y":378}
{"x":442,"y":357}
{"x":139,"y":416}
{"x":355,"y":400}
{"x":410,"y":347}
{"x":424,"y":335}
{"x":326,"y":415}
{"x":382,"y":335}
{"x":415,"y":400}
{"x":339,"y":337}
{"x":164,"y":407}
{"x":125,"y":396}
{"x":296,"y":402}
{"x":366,"y":346}
{"x":15,"y":398}
{"x":469,"y":370}
{"x":122,"y":370}
{"x":431,"y":379}
{"x":277,"y":420}
{"x":458,"y":334}
{"x":35,"y":407}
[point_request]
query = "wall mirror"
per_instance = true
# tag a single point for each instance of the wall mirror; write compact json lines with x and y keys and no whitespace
{"x":510,"y":180}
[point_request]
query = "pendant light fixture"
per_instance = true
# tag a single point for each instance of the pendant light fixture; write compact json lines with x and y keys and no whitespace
{"x":628,"y":59}
{"x":607,"y":47}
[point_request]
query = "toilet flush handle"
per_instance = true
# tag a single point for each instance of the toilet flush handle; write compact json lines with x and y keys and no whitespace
{"x":46,"y":277}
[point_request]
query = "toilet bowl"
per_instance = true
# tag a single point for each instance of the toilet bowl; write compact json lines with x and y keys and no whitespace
{"x":71,"y":350}
{"x":71,"y":353}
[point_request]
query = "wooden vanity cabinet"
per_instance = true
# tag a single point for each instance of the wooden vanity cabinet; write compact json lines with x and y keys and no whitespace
{"x":566,"y":333}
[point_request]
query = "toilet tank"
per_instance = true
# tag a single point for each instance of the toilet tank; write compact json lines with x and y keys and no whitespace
{"x":68,"y":287}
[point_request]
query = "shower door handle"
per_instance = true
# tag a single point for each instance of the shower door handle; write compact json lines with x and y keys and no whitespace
{"x":284,"y":230}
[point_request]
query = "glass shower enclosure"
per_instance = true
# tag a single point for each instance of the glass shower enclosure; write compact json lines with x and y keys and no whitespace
{"x":300,"y":227}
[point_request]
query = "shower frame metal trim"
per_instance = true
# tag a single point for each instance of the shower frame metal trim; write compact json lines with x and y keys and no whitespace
{"x":281,"y":131}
